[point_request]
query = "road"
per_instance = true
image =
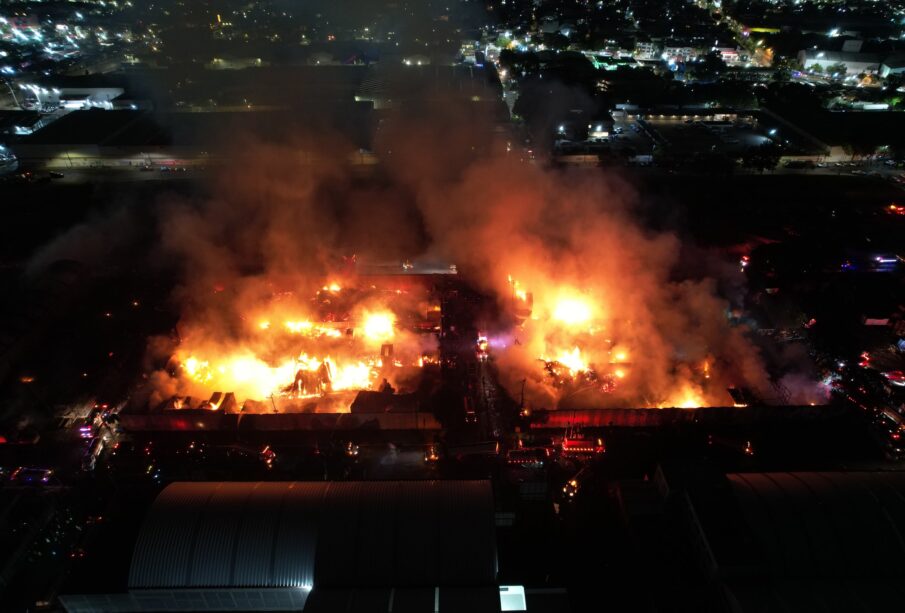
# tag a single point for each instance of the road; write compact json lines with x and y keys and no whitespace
{"x":113,"y":175}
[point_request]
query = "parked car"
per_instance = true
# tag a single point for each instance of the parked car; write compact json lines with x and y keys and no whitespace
{"x":30,"y":476}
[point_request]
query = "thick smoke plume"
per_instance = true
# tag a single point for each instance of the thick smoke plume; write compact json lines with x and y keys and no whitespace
{"x":280,"y":220}
{"x":269,"y":296}
{"x":572,"y":237}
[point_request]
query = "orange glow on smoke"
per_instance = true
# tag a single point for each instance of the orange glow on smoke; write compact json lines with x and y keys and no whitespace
{"x":572,"y":360}
{"x":379,"y":326}
{"x":307,"y":328}
{"x":687,"y":398}
{"x":588,"y":359}
{"x":572,"y":311}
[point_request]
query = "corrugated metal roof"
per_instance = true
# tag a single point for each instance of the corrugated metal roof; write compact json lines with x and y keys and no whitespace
{"x":341,"y":534}
{"x":827,"y":524}
{"x":855,"y":57}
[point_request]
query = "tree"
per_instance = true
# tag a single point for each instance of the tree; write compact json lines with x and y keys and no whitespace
{"x":817,"y":69}
{"x":764,"y":157}
{"x":519,"y":64}
{"x":664,"y":156}
{"x":782,"y":74}
{"x":897,"y":152}
{"x":733,"y":94}
{"x":715,"y":162}
{"x":861,"y":150}
{"x":864,"y":150}
{"x":555,"y":40}
{"x":705,"y":68}
{"x":784,"y":67}
{"x":838,"y":68}
{"x":894,"y":81}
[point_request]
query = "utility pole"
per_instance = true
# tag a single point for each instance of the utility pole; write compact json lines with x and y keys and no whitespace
{"x":13,"y":94}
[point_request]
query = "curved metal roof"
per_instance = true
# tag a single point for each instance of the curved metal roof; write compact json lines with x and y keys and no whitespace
{"x":827,"y":524}
{"x":306,"y":534}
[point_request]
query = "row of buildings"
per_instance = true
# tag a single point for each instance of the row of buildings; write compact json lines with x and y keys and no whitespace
{"x":680,"y":50}
{"x":854,"y":63}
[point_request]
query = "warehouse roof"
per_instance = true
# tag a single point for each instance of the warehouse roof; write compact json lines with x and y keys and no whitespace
{"x":796,"y":541}
{"x":315,"y":534}
{"x":844,"y":56}
{"x":826,"y":524}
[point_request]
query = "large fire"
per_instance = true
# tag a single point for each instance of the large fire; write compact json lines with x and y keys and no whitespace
{"x":572,"y":311}
{"x":379,"y":326}
{"x":303,"y":376}
{"x":343,"y":341}
{"x":583,"y":356}
{"x":609,"y":305}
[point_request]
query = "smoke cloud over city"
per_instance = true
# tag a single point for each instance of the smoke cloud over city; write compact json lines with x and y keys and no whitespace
{"x":595,"y":308}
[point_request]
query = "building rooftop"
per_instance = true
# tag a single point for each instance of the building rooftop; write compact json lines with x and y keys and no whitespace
{"x":803,"y":541}
{"x":876,"y":128}
{"x":392,"y":545}
{"x":843,"y":56}
{"x":895,"y":61}
{"x":9,"y":120}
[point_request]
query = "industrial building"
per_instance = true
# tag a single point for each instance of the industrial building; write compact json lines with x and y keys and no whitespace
{"x":855,"y":62}
{"x":314,"y":546}
{"x":782,"y":541}
{"x":893,"y":65}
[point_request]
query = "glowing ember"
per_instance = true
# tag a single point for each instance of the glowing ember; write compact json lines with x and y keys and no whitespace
{"x":690,"y":402}
{"x":686,"y":399}
{"x":197,"y":369}
{"x":572,"y":360}
{"x":309,"y":329}
{"x":297,"y":327}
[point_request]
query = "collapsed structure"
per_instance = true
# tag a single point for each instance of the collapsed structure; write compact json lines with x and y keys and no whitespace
{"x":298,"y":353}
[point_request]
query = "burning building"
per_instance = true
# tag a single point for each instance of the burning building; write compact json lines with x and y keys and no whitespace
{"x":604,"y":310}
{"x":570,"y":350}
{"x":296,"y":352}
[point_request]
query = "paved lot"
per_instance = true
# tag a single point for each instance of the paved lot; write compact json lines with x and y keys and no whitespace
{"x":636,"y":140}
{"x":698,"y":136}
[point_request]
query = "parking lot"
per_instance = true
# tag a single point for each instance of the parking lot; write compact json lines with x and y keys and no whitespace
{"x":632,"y":137}
{"x":697,"y":135}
